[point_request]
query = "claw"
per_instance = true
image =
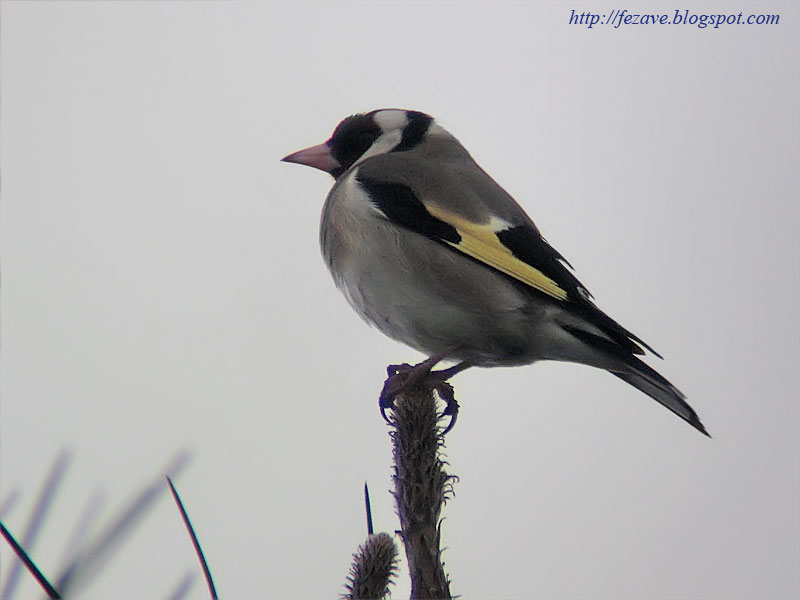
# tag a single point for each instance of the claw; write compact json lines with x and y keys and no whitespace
{"x":383,"y":412}
{"x":390,"y":388}
{"x":403,"y":375}
{"x":447,"y":394}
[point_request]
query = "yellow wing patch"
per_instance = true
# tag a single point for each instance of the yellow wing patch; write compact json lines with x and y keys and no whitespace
{"x":481,"y":242}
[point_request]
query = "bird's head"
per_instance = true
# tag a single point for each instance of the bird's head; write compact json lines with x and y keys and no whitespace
{"x":362,"y":136}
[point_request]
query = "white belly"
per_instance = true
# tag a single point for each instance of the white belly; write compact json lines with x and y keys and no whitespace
{"x":418,"y":291}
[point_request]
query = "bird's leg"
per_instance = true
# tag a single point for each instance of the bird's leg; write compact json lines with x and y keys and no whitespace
{"x":404,"y":376}
{"x":445,"y":374}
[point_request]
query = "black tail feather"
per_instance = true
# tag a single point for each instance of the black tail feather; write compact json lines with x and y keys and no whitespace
{"x":665,"y":394}
{"x":641,"y":376}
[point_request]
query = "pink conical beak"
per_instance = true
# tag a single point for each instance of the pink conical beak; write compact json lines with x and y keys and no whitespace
{"x":319,"y":157}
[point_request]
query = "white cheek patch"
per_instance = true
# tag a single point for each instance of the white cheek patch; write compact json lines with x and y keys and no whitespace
{"x":384,"y":144}
{"x":389,"y":120}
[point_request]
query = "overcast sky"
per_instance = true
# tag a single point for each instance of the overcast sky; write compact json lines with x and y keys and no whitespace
{"x":162,"y":290}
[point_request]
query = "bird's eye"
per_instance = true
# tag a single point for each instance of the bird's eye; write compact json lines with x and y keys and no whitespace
{"x":360,"y":142}
{"x":352,"y":138}
{"x":365,"y":139}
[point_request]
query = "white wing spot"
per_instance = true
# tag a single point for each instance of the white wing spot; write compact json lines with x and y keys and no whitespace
{"x":497,"y":224}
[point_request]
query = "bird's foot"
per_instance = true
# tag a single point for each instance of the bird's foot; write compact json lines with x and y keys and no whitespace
{"x":404,"y":376}
{"x":401,"y":377}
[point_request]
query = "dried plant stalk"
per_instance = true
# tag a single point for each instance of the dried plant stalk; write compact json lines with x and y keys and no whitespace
{"x":421,"y":487}
{"x":374,"y":565}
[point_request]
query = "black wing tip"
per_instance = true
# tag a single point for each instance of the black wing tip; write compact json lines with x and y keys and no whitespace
{"x":694,"y":421}
{"x":692,"y":417}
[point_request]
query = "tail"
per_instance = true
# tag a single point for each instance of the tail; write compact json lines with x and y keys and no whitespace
{"x":649,"y":381}
{"x":607,"y":354}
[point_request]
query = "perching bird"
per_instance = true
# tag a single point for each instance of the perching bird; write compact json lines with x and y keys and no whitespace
{"x":428,"y":248}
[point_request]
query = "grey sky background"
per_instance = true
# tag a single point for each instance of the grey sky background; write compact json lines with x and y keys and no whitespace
{"x":162,"y":289}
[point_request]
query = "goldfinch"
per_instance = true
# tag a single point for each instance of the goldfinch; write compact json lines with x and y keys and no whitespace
{"x":429,"y":249}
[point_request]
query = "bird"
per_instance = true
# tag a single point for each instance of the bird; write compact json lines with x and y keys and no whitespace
{"x":430,"y":250}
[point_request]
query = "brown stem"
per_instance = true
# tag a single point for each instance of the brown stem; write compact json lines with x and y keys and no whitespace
{"x":421,"y":487}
